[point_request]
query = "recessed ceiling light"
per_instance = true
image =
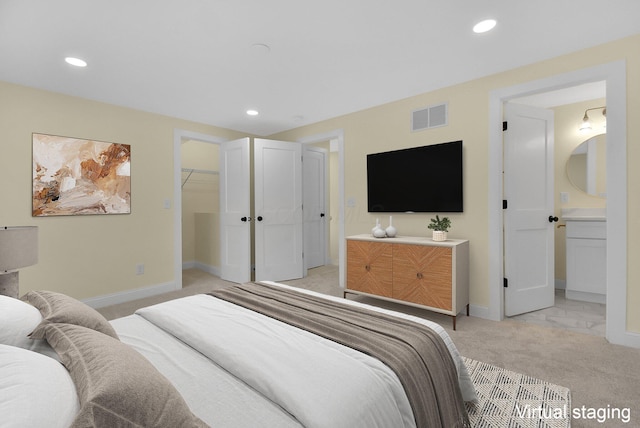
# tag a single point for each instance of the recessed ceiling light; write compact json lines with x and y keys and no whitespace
{"x":261,"y":48}
{"x":75,"y":61}
{"x":252,"y":112}
{"x":484,"y":26}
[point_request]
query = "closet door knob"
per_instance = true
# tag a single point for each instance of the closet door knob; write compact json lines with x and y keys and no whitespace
{"x":243,"y":219}
{"x":553,"y":219}
{"x":259,"y":218}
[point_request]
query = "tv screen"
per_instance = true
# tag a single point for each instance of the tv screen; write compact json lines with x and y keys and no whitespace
{"x":419,"y":179}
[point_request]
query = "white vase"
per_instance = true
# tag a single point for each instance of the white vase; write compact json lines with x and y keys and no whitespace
{"x":391,"y":231}
{"x":439,"y":235}
{"x":379,"y":233}
{"x":376,"y":229}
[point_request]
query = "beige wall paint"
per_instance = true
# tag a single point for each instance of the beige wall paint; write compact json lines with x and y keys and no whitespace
{"x":387,"y":127}
{"x":88,"y":256}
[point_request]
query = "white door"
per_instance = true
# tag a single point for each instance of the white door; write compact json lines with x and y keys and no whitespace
{"x":315,"y":173}
{"x":528,"y":219}
{"x":235,"y":206}
{"x":278,"y":210}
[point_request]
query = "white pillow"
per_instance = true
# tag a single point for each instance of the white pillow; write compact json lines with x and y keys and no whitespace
{"x":35,"y":390}
{"x":17,"y":320}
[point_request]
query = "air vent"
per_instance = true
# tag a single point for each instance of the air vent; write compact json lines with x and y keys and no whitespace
{"x":429,"y":117}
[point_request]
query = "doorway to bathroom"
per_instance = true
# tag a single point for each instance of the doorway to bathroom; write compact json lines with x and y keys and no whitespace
{"x":568,"y":307}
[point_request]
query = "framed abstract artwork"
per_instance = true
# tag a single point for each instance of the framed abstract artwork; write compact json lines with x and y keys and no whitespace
{"x":73,"y":176}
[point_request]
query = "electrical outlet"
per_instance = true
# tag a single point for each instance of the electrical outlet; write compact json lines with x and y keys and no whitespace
{"x":564,"y":197}
{"x":140,"y":269}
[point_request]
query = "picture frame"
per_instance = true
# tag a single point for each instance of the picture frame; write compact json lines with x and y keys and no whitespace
{"x":75,"y":176}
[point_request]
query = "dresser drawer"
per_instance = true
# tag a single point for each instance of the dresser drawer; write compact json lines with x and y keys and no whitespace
{"x":412,"y":270}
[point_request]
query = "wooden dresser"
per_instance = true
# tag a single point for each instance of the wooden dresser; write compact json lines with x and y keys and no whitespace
{"x":412,"y":270}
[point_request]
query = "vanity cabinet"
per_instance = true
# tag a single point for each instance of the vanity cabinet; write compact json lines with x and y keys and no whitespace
{"x":586,"y":260}
{"x":411,"y":270}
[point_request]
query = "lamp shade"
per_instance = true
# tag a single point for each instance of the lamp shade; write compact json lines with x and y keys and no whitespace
{"x":18,"y":247}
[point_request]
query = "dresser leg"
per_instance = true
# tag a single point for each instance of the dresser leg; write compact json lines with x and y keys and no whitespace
{"x":454,"y":323}
{"x":467,"y":309}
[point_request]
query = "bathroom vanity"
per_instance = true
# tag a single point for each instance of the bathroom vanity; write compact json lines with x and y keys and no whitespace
{"x":586,"y":254}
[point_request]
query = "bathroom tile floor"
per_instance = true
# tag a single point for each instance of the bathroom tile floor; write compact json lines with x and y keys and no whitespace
{"x":574,"y":315}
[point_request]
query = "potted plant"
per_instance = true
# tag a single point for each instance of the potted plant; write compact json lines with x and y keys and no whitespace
{"x":440,"y":227}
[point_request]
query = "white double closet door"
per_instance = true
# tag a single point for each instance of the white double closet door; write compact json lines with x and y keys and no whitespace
{"x":275,"y":224}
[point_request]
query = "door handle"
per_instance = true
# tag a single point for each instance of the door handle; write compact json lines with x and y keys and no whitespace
{"x":259,"y":218}
{"x":553,"y":219}
{"x":243,"y":219}
{"x":321,"y":214}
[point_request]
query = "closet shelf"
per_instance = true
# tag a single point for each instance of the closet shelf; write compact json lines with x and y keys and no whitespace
{"x":192,"y":171}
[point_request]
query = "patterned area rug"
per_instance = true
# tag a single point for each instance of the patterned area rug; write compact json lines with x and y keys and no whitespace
{"x":513,"y":400}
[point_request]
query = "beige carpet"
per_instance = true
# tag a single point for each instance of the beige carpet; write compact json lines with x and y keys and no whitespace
{"x":602,"y":377}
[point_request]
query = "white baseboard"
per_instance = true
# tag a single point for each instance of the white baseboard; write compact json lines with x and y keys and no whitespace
{"x":141,"y":293}
{"x":586,"y":297}
{"x":631,"y":339}
{"x":129,"y":295}
{"x":213,"y":270}
{"x":479,"y":311}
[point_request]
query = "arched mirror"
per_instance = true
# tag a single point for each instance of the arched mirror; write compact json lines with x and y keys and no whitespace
{"x":587,"y":166}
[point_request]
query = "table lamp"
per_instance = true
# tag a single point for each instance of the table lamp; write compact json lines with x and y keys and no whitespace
{"x":18,"y":249}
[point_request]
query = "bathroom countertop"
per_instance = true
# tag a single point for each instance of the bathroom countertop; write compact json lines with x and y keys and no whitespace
{"x":584,"y":214}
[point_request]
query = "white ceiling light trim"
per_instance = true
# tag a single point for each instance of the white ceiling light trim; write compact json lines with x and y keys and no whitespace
{"x":484,"y":26}
{"x":77,"y":62}
{"x":251,"y":112}
{"x":261,"y":48}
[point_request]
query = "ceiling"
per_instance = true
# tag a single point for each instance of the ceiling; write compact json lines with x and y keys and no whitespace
{"x":206,"y":60}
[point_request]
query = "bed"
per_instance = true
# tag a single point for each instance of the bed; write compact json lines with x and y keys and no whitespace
{"x":225,"y":360}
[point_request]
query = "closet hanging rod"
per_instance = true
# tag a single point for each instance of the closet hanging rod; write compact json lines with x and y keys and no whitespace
{"x":198,"y":171}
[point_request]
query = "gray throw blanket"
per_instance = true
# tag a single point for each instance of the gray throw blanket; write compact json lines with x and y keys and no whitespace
{"x":417,"y":354}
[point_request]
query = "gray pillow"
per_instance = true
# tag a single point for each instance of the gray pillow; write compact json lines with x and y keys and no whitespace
{"x":57,"y":307}
{"x":116,"y":385}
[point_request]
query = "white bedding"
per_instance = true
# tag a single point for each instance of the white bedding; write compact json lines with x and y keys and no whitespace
{"x":217,"y":397}
{"x":267,"y":373}
{"x":464,"y":379}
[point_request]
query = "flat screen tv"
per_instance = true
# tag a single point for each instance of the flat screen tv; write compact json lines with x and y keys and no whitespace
{"x":419,"y":179}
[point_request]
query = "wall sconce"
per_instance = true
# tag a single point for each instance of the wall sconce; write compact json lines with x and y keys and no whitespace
{"x":18,"y":249}
{"x":586,"y":124}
